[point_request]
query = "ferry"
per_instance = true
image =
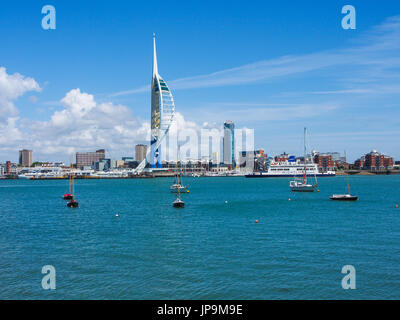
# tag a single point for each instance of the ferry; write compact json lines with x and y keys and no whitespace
{"x":290,"y":169}
{"x":42,"y":175}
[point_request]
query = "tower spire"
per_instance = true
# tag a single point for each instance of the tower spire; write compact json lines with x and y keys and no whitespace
{"x":155,"y":68}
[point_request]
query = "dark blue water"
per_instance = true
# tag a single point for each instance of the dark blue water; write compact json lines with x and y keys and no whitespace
{"x":208,"y":250}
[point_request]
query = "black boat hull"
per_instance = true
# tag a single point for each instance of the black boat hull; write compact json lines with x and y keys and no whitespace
{"x":72,"y":204}
{"x":355,"y":198}
{"x":178,"y":204}
{"x":257,"y":175}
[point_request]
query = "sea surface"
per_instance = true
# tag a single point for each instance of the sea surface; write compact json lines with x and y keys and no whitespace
{"x":211,"y":249}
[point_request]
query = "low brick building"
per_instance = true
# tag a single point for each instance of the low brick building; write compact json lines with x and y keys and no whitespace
{"x":374,"y":161}
{"x":325,"y":162}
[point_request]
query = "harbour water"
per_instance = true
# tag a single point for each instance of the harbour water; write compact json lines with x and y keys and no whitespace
{"x":211,"y":249}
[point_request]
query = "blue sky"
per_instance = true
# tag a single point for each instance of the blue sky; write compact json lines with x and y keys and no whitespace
{"x":275,"y":66}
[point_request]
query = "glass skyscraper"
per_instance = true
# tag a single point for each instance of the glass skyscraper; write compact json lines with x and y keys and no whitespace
{"x":229,"y":143}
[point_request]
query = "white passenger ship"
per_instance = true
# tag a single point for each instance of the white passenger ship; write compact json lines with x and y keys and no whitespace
{"x":290,"y":169}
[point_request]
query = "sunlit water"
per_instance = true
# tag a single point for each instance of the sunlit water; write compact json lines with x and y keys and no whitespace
{"x":208,"y":250}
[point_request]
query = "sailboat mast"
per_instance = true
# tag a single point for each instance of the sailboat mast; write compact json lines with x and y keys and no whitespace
{"x":70,"y":177}
{"x":305,"y":167}
{"x":348,"y":186}
{"x":177,"y":172}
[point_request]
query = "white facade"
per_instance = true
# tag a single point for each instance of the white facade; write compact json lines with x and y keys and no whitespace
{"x":162,"y":116}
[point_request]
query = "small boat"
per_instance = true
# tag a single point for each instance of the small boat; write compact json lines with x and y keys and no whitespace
{"x":178,"y":203}
{"x":67,"y":196}
{"x":73,"y":204}
{"x":174,"y":188}
{"x":297,"y":185}
{"x":300,"y":186}
{"x":178,"y":185}
{"x":344,"y":197}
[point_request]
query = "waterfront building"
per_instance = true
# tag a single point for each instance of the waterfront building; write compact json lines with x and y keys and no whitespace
{"x":130,"y":162}
{"x":359,"y":163}
{"x":215,"y":158}
{"x":88,"y":158}
{"x":284,"y":157}
{"x":262,"y":161}
{"x":254,"y":160}
{"x":162,"y":114}
{"x":105,"y":164}
{"x":100,"y":165}
{"x":248,"y":160}
{"x":222,"y":169}
{"x":245,"y":157}
{"x":8,"y":167}
{"x":25,"y":157}
{"x":229,"y":144}
{"x":335,"y":156}
{"x":325,"y":162}
{"x":120,"y":163}
{"x":59,"y":164}
{"x":375,"y":161}
{"x":140,"y":152}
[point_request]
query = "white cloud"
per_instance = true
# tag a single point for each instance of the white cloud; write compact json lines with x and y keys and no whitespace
{"x":83,"y":125}
{"x":11,"y":88}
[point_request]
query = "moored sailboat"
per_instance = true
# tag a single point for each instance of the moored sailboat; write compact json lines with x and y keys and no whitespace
{"x":302,"y":185}
{"x":73,"y":203}
{"x":344,"y":197}
{"x":178,"y":203}
{"x":68,"y":196}
{"x":178,"y":186}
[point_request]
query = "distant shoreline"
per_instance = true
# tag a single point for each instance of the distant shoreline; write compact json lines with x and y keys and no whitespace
{"x":367,"y":173}
{"x":338,"y":173}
